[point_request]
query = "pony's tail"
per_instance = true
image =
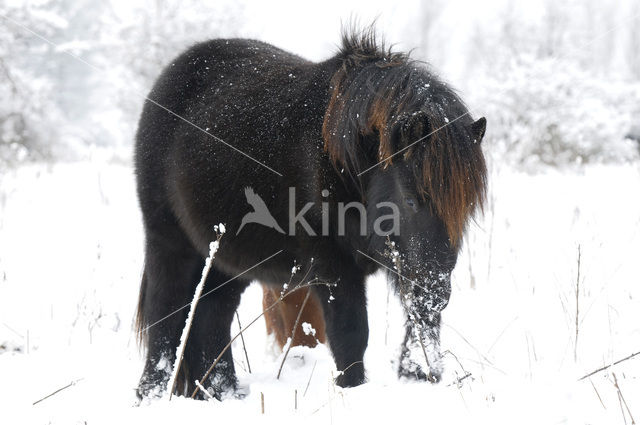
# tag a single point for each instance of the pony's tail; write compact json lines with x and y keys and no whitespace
{"x":140,"y":322}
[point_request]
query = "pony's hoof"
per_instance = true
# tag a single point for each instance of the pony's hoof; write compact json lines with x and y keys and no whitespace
{"x":240,"y":393}
{"x":351,"y":376}
{"x":148,"y":392}
{"x":434,"y":377}
{"x":221,"y":387}
{"x":414,"y":372}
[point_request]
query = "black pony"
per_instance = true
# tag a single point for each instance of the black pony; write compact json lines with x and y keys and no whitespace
{"x":370,"y":159}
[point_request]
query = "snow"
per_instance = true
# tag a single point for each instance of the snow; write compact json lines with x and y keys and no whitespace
{"x":308,"y":329}
{"x":560,"y":90}
{"x":70,"y":266}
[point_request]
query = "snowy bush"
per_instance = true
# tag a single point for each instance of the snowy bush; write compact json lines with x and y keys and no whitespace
{"x":552,"y":112}
{"x":27,"y":111}
{"x":73,"y":74}
{"x":557,"y":86}
{"x":18,"y":137}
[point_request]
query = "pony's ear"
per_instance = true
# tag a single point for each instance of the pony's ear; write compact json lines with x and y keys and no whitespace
{"x":478,"y":128}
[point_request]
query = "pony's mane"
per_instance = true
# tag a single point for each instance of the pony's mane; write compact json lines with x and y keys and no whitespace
{"x":364,"y":45}
{"x":386,"y":101}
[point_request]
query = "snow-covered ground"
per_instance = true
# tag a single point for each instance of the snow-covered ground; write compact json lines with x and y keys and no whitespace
{"x":70,"y":264}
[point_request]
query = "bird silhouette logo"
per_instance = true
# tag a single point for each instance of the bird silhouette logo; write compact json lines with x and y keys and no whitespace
{"x":260,"y":213}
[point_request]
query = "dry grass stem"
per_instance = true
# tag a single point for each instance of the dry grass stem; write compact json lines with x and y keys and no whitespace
{"x":244,"y":346}
{"x":293,"y":332}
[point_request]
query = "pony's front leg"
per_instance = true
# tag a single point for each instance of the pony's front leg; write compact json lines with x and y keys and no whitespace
{"x":347,"y":328}
{"x":421,"y":347}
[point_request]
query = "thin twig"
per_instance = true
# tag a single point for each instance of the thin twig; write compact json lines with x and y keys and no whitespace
{"x":608,"y":366}
{"x":472,"y":346}
{"x":598,"y":394}
{"x":472,"y":277}
{"x":335,"y":395}
{"x":458,"y":381}
{"x":622,"y":400}
{"x":341,"y":372}
{"x":310,"y":376}
{"x":293,"y":331}
{"x":575,"y":347}
{"x":424,"y":351}
{"x":203,"y":389}
{"x":624,"y":417}
{"x":192,"y":311}
{"x":492,"y":203}
{"x":71,"y":384}
{"x":386,"y":316}
{"x":466,"y":375}
{"x":244,"y":346}
{"x":526,"y":337}
{"x":501,"y":334}
{"x":262,"y":402}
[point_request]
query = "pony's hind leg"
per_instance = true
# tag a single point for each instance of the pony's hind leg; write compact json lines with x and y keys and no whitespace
{"x":171,"y":272}
{"x":210,"y":334}
{"x":273,"y":316}
{"x":282,"y":318}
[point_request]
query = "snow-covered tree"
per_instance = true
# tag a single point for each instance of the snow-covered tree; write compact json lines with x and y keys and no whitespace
{"x":28,"y":112}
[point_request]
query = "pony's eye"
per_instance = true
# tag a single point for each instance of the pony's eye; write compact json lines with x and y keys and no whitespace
{"x":410,"y":202}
